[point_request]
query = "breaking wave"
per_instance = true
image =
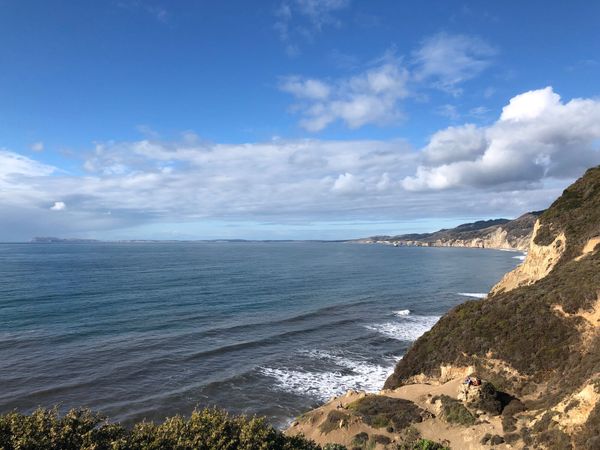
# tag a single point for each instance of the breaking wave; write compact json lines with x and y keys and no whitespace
{"x":348,"y":374}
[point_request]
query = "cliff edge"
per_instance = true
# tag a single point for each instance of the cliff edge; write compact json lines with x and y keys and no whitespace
{"x":536,"y":337}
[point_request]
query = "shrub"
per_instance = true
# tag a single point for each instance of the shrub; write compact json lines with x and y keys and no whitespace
{"x":453,"y":411}
{"x":380,"y":411}
{"x":333,"y":420}
{"x":207,"y":429}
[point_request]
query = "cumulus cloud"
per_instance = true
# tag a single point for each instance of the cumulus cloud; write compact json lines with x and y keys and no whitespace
{"x":58,"y":206}
{"x":537,"y":136}
{"x":370,"y":97}
{"x":448,"y":60}
{"x":538,"y":145}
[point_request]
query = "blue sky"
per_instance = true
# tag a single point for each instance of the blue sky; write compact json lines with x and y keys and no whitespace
{"x":289,"y":118}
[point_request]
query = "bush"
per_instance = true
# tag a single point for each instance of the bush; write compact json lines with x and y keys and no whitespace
{"x":453,"y":411}
{"x":333,"y":421}
{"x":207,"y":429}
{"x":380,"y":411}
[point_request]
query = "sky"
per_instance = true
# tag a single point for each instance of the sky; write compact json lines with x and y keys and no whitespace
{"x":290,"y":119}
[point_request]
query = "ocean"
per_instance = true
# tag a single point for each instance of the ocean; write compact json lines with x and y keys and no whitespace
{"x":147,"y":330}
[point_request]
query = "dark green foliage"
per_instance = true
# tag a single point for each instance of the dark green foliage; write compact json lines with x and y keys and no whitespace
{"x":380,"y":411}
{"x":333,"y":420}
{"x":208,"y":429}
{"x":509,"y":421}
{"x":511,"y":438}
{"x":453,"y":411}
{"x":554,"y":440}
{"x":360,"y":439}
{"x":489,"y":400}
{"x":381,"y":439}
{"x":425,"y":444}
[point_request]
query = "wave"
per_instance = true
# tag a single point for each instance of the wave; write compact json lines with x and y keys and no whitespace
{"x":409,"y":329}
{"x":352,"y":374}
{"x":520,"y":257}
{"x":402,"y":312}
{"x":473,"y":294}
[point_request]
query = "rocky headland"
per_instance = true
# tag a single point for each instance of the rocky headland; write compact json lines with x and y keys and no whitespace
{"x":501,"y":234}
{"x":534,"y":341}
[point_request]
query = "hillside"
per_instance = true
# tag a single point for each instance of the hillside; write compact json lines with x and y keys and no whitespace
{"x":496,"y":233}
{"x":535,"y":341}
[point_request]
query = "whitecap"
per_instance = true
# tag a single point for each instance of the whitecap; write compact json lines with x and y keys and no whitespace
{"x":360,"y":376}
{"x":409,"y":329}
{"x":520,"y":257}
{"x":473,"y":294}
{"x":402,"y":312}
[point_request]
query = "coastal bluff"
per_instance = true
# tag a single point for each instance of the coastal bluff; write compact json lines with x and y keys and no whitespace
{"x":534,"y":341}
{"x":503,"y":234}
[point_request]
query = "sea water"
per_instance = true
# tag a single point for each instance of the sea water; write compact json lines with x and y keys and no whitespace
{"x":147,"y":330}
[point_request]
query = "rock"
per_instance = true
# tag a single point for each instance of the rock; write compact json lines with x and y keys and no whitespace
{"x":496,"y":440}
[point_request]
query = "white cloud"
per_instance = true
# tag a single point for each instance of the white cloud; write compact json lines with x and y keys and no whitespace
{"x":14,"y":164}
{"x":530,"y":105}
{"x":448,"y":60}
{"x":520,"y":162}
{"x":347,"y":183}
{"x":536,"y":137}
{"x":37,"y":146}
{"x":303,"y":19}
{"x":305,"y":88}
{"x":370,"y":97}
{"x":58,"y":206}
{"x":373,"y":95}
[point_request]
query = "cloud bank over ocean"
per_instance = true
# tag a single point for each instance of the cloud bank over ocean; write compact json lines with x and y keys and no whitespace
{"x":538,"y":145}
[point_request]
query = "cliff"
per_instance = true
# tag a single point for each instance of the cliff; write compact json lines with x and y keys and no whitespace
{"x":498,"y":233}
{"x":534,"y":341}
{"x":537,"y":335}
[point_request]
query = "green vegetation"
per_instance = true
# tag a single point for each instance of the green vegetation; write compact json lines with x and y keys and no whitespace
{"x":423,"y":444}
{"x":453,"y":411}
{"x":488,"y":401}
{"x":208,"y":429}
{"x":380,"y":411}
{"x":333,"y":421}
{"x":576,"y":213}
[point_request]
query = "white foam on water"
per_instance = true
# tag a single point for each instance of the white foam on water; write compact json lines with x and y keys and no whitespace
{"x":473,"y":294}
{"x":402,"y":312}
{"x":520,"y":257}
{"x":410,"y":328}
{"x":363,"y":376}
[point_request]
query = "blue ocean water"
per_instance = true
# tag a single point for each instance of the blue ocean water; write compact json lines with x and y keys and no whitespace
{"x":149,"y":330}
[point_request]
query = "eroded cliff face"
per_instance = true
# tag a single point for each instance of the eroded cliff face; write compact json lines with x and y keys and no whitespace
{"x":502,"y":234}
{"x":540,"y":260}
